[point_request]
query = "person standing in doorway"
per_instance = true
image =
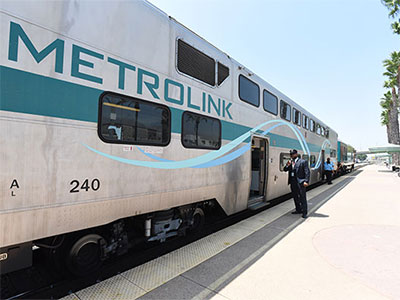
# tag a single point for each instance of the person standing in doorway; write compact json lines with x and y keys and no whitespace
{"x":299,"y":178}
{"x":328,"y":168}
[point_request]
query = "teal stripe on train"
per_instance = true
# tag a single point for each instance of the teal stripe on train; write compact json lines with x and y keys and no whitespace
{"x":30,"y":93}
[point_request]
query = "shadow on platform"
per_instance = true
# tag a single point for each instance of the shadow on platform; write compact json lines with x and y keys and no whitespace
{"x":210,"y":277}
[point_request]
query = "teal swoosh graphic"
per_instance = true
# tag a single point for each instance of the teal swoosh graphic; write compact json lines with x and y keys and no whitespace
{"x":221,"y":160}
{"x":189,"y":162}
{"x":212,"y":158}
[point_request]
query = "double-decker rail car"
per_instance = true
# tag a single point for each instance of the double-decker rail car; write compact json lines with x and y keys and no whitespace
{"x":346,"y":158}
{"x":118,"y":122}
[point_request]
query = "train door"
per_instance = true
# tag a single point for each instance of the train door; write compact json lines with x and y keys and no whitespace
{"x":322,"y":164}
{"x":259,"y":170}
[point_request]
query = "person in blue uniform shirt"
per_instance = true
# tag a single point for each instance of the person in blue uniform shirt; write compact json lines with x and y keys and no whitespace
{"x":299,"y":178}
{"x":328,"y":168}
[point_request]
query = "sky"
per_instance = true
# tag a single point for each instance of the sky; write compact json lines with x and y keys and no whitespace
{"x":324,"y":54}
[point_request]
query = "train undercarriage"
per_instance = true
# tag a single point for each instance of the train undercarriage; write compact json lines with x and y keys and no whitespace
{"x":82,"y":252}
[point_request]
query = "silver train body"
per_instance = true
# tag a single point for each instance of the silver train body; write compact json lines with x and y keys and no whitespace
{"x":59,"y":60}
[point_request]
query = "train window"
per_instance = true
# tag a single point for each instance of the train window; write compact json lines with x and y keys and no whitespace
{"x":285,"y":110}
{"x":249,"y":91}
{"x":318,"y":129}
{"x":305,"y":121}
{"x":270,"y":102}
{"x":283,"y":159}
{"x":312,"y":161}
{"x":195,"y":63}
{"x":200,"y":132}
{"x":327,"y":133}
{"x":306,"y":157}
{"x":223,"y":73}
{"x":128,"y":120}
{"x":296,"y":117}
{"x":322,"y":131}
{"x":333,"y":153}
{"x":312,"y":125}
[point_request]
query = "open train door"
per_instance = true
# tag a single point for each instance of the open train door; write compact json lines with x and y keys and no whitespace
{"x":259,"y":172}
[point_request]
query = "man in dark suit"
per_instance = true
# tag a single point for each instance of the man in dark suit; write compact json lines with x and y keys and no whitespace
{"x":299,"y":178}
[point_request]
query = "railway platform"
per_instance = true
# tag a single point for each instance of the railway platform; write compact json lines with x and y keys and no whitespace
{"x":348,"y":248}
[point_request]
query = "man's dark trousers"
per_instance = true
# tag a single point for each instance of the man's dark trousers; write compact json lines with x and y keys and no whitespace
{"x":299,"y":195}
{"x":328,"y":176}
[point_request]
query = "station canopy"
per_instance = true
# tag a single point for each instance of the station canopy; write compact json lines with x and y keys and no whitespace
{"x":388,"y":148}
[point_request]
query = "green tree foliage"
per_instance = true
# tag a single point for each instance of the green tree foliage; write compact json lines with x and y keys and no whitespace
{"x":392,"y":70}
{"x":391,"y":101}
{"x":386,"y":103}
{"x":362,"y":156}
{"x":394,"y":13}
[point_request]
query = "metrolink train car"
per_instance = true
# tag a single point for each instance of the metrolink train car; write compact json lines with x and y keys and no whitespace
{"x":118,"y":122}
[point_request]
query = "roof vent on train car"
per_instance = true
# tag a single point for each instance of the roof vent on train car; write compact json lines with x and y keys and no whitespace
{"x":195,"y":63}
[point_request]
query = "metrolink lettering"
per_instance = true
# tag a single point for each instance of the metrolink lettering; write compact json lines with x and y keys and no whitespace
{"x":173,"y":92}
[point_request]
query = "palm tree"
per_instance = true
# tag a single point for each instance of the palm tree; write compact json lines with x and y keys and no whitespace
{"x":392,"y":72}
{"x":391,"y":101}
{"x":386,"y":104}
{"x":394,"y":7}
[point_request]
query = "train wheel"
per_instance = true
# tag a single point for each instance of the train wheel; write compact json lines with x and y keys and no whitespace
{"x":198,"y":220}
{"x":85,"y":255}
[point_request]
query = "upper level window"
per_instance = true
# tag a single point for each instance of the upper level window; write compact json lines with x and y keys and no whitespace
{"x":296,"y":117}
{"x":318,"y":129}
{"x":128,"y":120}
{"x":223,"y":73}
{"x":305,"y":121}
{"x":312,"y":125}
{"x":327,"y":133}
{"x":195,"y":63}
{"x":322,"y":131}
{"x":286,"y":110}
{"x":200,"y":131}
{"x":270,"y":102}
{"x":249,"y":91}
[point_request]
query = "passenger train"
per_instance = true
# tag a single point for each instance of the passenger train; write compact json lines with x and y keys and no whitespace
{"x":118,"y":122}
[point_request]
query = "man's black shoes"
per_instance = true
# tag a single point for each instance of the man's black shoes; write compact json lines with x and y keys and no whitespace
{"x":296,"y":212}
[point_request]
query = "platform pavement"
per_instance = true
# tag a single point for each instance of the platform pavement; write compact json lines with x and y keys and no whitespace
{"x":348,"y":249}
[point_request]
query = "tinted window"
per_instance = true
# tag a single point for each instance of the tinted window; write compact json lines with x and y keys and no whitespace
{"x":296,"y":117}
{"x":223,"y":73}
{"x":333,"y":153}
{"x":312,"y":161}
{"x":283,"y":159}
{"x":312,"y":125}
{"x":306,"y":158}
{"x":318,"y":129}
{"x":129,"y":120}
{"x":327,"y":133}
{"x":199,"y":131}
{"x":249,"y":91}
{"x":270,"y":102}
{"x":195,"y":63}
{"x":305,"y":121}
{"x":286,"y":110}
